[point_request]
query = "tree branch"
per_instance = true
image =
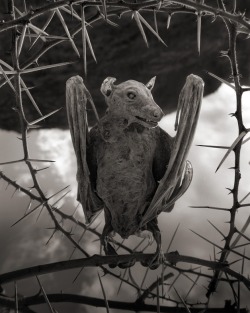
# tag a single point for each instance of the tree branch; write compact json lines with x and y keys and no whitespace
{"x":98,"y":260}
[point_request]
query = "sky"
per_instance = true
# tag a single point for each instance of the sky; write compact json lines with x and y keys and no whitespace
{"x":25,"y":244}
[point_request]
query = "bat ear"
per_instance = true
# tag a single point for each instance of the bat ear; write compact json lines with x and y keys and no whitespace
{"x":108,"y":86}
{"x":151,"y":83}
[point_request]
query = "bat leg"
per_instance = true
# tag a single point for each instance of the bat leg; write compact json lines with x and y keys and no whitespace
{"x":157,"y":258}
{"x":108,"y":249}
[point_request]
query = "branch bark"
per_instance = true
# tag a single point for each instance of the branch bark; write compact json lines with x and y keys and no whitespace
{"x":98,"y":260}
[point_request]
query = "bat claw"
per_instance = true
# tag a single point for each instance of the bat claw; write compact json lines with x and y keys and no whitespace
{"x":154,"y":262}
{"x":109,"y":250}
{"x":127,"y":264}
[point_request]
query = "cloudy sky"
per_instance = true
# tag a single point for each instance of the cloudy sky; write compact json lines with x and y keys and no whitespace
{"x":25,"y":244}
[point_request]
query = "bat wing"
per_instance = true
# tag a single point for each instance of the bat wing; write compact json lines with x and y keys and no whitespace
{"x":77,"y":96}
{"x":178,"y":175}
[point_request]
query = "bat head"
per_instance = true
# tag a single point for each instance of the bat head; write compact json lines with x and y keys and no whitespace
{"x":133,"y":101}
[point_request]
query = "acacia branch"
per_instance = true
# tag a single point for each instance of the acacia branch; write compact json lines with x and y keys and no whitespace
{"x":26,"y":18}
{"x":97,"y":302}
{"x":232,"y":56}
{"x":98,"y":260}
{"x":154,"y":285}
{"x":19,"y":187}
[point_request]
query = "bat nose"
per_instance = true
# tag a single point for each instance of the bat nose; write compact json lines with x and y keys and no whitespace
{"x":158,"y":114}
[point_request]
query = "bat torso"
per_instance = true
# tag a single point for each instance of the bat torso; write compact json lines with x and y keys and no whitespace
{"x":125,"y":178}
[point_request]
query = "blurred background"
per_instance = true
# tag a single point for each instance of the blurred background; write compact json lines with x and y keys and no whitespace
{"x":121,"y":53}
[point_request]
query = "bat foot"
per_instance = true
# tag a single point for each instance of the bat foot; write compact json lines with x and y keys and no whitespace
{"x":127,"y":264}
{"x":109,"y":250}
{"x":154,"y":262}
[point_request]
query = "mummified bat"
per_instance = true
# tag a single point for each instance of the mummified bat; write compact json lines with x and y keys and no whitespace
{"x":126,"y":164}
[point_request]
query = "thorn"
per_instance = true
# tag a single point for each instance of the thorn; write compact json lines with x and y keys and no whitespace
{"x":16,"y":298}
{"x":45,"y":295}
{"x":58,"y":192}
{"x":7,"y":186}
{"x":43,"y":117}
{"x":41,"y":169}
{"x":142,"y":19}
{"x":182,"y":300}
{"x":84,"y":41}
{"x":208,"y":207}
{"x":155,"y":21}
{"x":90,"y":46}
{"x":77,"y":275}
{"x":67,"y":31}
{"x":233,"y":262}
{"x":19,"y":49}
{"x":39,"y":214}
{"x":64,"y":195}
{"x":158,"y":296}
{"x":51,"y":237}
{"x":168,"y":21}
{"x":36,"y":160}
{"x":220,"y":232}
{"x":12,"y":162}
{"x":159,"y":4}
{"x":234,"y":144}
{"x":221,"y":80}
{"x":215,"y":147}
{"x":75,"y":209}
{"x":42,"y":203}
{"x":104,"y":8}
{"x":138,"y":22}
{"x":199,"y":33}
{"x":28,"y":207}
{"x":71,"y":255}
{"x":204,"y":238}
{"x":45,"y":67}
{"x":172,"y":239}
{"x":230,"y":190}
{"x":14,"y":192}
{"x":33,"y":127}
{"x":121,"y":282}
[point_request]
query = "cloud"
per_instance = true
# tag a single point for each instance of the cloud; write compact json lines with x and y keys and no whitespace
{"x":215,"y":127}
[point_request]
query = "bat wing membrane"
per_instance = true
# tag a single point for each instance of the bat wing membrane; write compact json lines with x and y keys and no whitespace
{"x":178,"y":174}
{"x":77,"y":96}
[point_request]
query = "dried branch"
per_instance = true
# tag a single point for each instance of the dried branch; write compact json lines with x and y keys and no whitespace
{"x":97,"y":302}
{"x":98,"y":260}
{"x":236,"y":147}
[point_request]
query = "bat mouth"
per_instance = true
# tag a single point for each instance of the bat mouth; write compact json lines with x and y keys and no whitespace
{"x":147,"y":121}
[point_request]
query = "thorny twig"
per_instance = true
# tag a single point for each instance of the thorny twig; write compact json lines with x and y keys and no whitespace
{"x":232,"y":57}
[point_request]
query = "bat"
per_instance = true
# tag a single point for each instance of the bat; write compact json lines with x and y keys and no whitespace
{"x":126,"y":164}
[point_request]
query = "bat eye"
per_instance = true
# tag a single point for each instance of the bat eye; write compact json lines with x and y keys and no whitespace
{"x":131,"y":95}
